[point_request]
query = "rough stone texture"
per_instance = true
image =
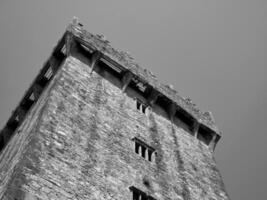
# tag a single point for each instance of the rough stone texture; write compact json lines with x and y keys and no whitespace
{"x":76,"y":143}
{"x":99,"y":43}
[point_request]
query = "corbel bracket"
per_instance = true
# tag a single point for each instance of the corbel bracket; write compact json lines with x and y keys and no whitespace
{"x":126,"y":80}
{"x":153,"y":96}
{"x":172,"y":108}
{"x":95,"y":58}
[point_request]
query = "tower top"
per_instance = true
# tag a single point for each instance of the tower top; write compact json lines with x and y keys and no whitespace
{"x":129,"y":72}
{"x":126,"y":61}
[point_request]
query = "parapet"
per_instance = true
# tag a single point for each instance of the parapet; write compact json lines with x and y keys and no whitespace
{"x":98,"y":48}
{"x":99,"y":43}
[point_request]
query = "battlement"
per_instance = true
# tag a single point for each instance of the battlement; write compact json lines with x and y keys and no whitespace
{"x":96,"y":51}
{"x":124,"y":60}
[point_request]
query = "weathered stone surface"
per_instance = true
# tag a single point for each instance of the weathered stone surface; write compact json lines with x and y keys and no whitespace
{"x":76,"y":143}
{"x":97,"y":42}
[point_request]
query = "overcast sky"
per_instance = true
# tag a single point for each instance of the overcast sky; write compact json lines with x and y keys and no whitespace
{"x":213,"y":51}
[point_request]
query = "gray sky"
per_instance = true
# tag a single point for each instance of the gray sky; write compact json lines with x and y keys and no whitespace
{"x":213,"y":51}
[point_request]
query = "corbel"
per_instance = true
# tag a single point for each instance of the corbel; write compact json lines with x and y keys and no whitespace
{"x":95,"y":58}
{"x":213,"y":142}
{"x":195,"y":128}
{"x":153,"y":96}
{"x":126,"y":80}
{"x":172,"y":108}
{"x":70,"y":44}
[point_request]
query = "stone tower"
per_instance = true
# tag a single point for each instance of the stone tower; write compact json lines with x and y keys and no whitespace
{"x":94,"y":125}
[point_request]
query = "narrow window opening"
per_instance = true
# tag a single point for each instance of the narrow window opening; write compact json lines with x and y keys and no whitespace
{"x":138,"y":105}
{"x":136,"y":196}
{"x":141,"y":106}
{"x":140,"y":195}
{"x":143,"y":151}
{"x":144,"y":107}
{"x":137,"y":147}
{"x":150,"y":152}
{"x":205,"y":135}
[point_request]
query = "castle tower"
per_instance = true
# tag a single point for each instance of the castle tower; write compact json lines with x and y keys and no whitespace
{"x":95,"y":125}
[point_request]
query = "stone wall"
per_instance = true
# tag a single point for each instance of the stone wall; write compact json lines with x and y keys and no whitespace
{"x":76,"y":143}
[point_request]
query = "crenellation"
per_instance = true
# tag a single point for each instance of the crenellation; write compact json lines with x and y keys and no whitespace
{"x":152,"y":96}
{"x":122,"y":59}
{"x":128,"y":78}
{"x":95,"y":125}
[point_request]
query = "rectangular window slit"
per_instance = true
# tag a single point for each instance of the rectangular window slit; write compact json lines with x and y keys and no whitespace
{"x":144,"y":150}
{"x":140,"y":195}
{"x":138,"y":105}
{"x":135,"y":196}
{"x":144,"y":108}
{"x":150,"y":155}
{"x":141,"y":106}
{"x":137,"y":147}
